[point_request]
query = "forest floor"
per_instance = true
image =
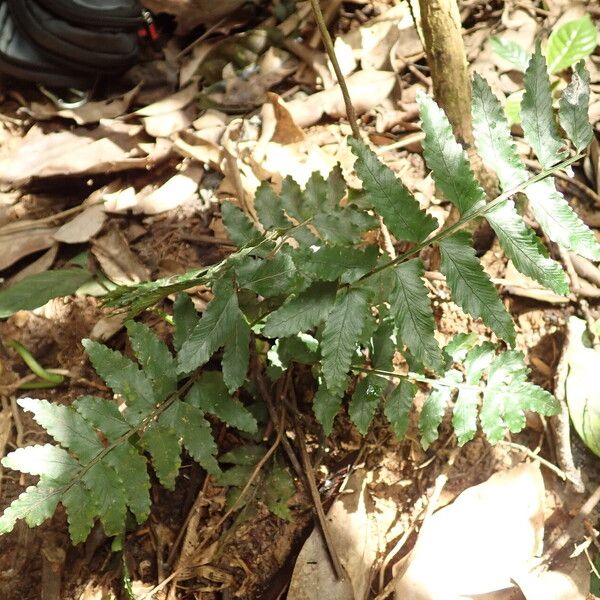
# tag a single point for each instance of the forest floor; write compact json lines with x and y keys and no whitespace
{"x":130,"y":185}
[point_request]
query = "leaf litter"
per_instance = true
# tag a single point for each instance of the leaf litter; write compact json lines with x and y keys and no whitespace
{"x":159,"y":172}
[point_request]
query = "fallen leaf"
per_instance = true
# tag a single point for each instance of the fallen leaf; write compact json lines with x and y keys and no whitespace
{"x":106,"y":327}
{"x":358,"y":533}
{"x":205,"y":152}
{"x":176,"y":101}
{"x":90,"y":112}
{"x":83,"y":227}
{"x":476,"y":545}
{"x":14,"y":245}
{"x":120,"y":201}
{"x":367,"y":90}
{"x":43,"y":263}
{"x":111,"y":147}
{"x":179,"y":189}
{"x":117,"y":260}
{"x":287,"y":130}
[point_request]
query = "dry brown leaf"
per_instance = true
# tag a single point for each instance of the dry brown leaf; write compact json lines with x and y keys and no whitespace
{"x":176,"y":101}
{"x":112,"y":147}
{"x":15,"y":245}
{"x":358,"y":532}
{"x":203,"y":151}
{"x":43,"y":263}
{"x":106,"y":327}
{"x":286,"y":129}
{"x":491,"y":533}
{"x":117,"y":260}
{"x":516,"y":283}
{"x":179,"y":189}
{"x":165,"y":125}
{"x":367,"y":90}
{"x":83,"y":227}
{"x":90,"y":112}
{"x":120,"y":201}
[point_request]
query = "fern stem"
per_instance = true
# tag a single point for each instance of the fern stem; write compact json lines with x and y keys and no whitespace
{"x":350,"y":112}
{"x":471,"y":215}
{"x":417,"y":377}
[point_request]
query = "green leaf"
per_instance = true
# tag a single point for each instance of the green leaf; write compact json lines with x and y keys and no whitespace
{"x":239,"y":227}
{"x":511,"y":51}
{"x":512,"y":107}
{"x":132,"y":470}
{"x":102,"y":414}
{"x":278,"y":489}
{"x":216,"y":325}
{"x":340,"y":336}
{"x":538,"y":123}
{"x":66,"y":426}
{"x":398,"y":406}
{"x":125,"y":378}
{"x":390,"y":197}
{"x":329,"y":263}
{"x":471,"y":287}
{"x":210,"y":394}
{"x":301,"y":312}
{"x":106,"y":489}
{"x":249,"y":454}
{"x":559,"y":221}
{"x":36,"y":504}
{"x":365,"y":401}
{"x":154,"y":357}
{"x":185,"y":319}
{"x":411,"y":308}
{"x":447,"y":159}
{"x":236,"y":356}
{"x":571,"y":42}
{"x":434,"y":408}
{"x":269,"y":208}
{"x":524,"y":248}
{"x":268,"y":278}
{"x":52,"y":461}
{"x":81,"y":511}
{"x":384,"y":345}
{"x":36,"y":290}
{"x":326,"y":406}
{"x":573,"y":108}
{"x":458,"y":347}
{"x":162,"y":443}
{"x":194,"y":431}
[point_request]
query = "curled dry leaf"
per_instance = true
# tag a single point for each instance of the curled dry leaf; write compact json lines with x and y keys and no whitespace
{"x":358,"y":531}
{"x":83,"y":227}
{"x":90,"y":112}
{"x":112,"y":147}
{"x":367,"y":90}
{"x":43,"y":263}
{"x":477,"y":545}
{"x":16,"y":244}
{"x":117,"y":260}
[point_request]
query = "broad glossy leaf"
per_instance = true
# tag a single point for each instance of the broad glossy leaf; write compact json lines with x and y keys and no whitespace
{"x":341,"y":335}
{"x":411,"y":309}
{"x":66,"y":426}
{"x":155,"y":359}
{"x":511,"y":51}
{"x":162,"y":442}
{"x":571,"y":42}
{"x":302,"y":312}
{"x":326,"y":406}
{"x":537,"y":114}
{"x":390,"y":197}
{"x":398,"y":406}
{"x":125,"y":378}
{"x":447,"y":159}
{"x":210,"y":395}
{"x":36,"y":290}
{"x":573,"y":108}
{"x":213,"y":329}
{"x":471,"y":287}
{"x":365,"y":400}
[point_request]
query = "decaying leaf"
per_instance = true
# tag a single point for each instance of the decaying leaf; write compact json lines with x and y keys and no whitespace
{"x":83,"y":227}
{"x":16,"y":244}
{"x":477,"y":544}
{"x":358,"y":532}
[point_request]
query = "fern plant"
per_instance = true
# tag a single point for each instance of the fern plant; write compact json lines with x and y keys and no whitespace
{"x":308,"y":286}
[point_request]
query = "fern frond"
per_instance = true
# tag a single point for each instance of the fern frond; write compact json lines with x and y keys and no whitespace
{"x":573,"y":108}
